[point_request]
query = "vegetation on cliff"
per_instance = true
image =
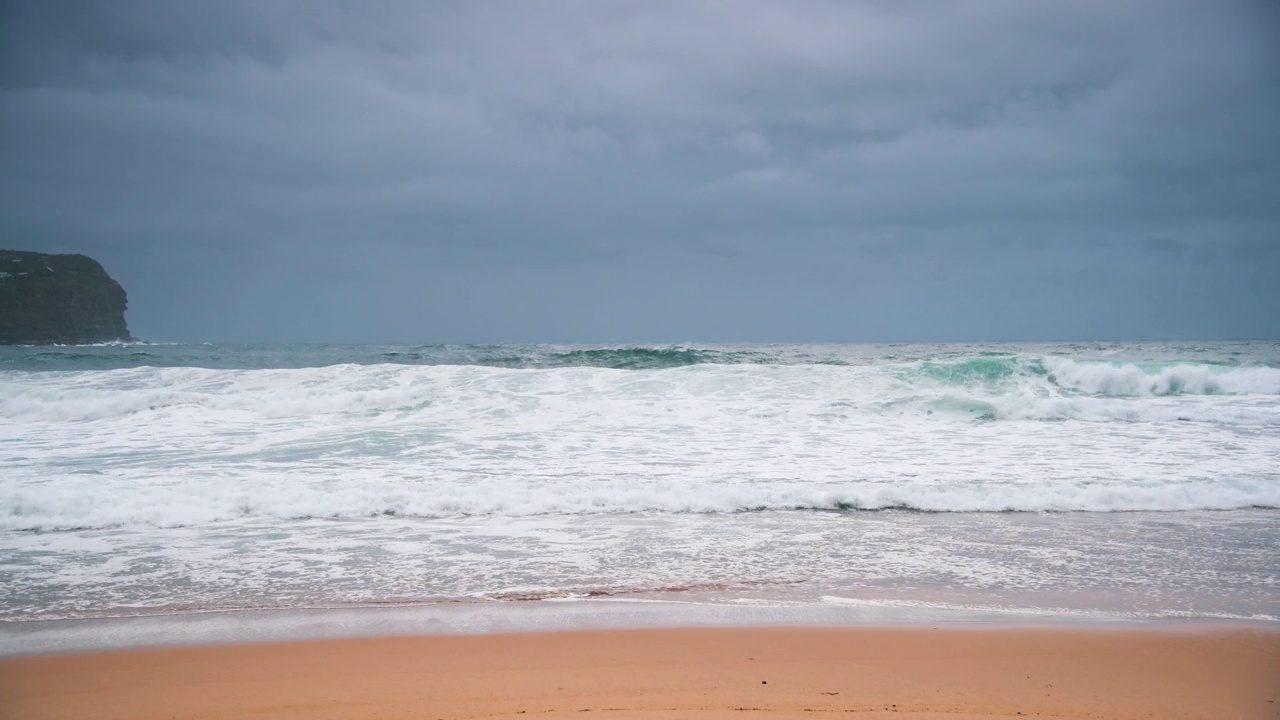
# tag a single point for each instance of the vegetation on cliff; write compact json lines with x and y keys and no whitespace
{"x":58,"y":299}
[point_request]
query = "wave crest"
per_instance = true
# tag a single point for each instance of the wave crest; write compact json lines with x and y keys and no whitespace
{"x":83,"y":505}
{"x":985,"y":388}
{"x":1133,"y":380}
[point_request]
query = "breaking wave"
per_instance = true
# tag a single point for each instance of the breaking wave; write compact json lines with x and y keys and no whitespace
{"x":987,"y":388}
{"x":86,"y":505}
{"x":627,"y":430}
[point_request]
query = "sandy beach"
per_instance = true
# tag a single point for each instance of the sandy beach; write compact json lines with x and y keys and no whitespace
{"x":682,"y":673}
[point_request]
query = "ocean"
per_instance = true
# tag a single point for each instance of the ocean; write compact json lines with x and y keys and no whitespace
{"x":1134,"y":481}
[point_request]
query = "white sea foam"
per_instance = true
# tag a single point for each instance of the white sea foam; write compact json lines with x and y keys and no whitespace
{"x":176,"y":489}
{"x":1129,"y":379}
{"x":94,"y":503}
{"x":364,"y":389}
{"x":181,"y":446}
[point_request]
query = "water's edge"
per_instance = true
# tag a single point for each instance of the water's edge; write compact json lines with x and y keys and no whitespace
{"x":249,"y":626}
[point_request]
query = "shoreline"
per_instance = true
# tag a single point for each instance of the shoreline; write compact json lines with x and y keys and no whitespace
{"x":776,"y":672}
{"x":240,"y":626}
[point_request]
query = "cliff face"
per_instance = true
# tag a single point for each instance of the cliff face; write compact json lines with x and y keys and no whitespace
{"x":64,"y":299}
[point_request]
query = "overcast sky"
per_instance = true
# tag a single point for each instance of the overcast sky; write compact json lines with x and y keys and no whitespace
{"x":408,"y":171}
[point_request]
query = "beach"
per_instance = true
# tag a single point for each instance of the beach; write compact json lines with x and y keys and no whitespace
{"x":921,"y":672}
{"x":954,"y":530}
{"x":631,"y":360}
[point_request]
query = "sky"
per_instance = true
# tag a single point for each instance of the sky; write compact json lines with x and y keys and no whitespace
{"x":649,"y":171}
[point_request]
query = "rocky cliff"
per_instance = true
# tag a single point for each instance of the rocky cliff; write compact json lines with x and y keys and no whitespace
{"x":64,"y":299}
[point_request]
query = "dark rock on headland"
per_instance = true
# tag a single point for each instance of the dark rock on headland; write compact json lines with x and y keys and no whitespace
{"x":58,"y":299}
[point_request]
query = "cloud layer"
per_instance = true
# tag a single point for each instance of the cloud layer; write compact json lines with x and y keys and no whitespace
{"x":562,"y":171}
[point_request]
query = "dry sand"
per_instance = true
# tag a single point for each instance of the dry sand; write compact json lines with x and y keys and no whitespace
{"x":693,"y":673}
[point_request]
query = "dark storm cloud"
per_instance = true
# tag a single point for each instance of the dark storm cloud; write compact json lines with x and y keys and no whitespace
{"x":666,"y":171}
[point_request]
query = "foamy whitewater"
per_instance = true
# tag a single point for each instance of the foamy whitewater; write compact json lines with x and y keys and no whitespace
{"x":1138,"y":480}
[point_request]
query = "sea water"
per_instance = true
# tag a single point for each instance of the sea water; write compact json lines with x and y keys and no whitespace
{"x":1137,"y":480}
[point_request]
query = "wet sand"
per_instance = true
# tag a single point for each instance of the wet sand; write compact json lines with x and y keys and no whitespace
{"x":682,"y":673}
